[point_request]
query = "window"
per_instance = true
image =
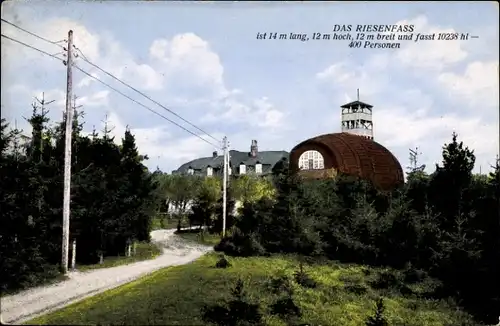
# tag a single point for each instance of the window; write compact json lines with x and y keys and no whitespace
{"x":228,"y":170}
{"x":258,"y":168}
{"x":210,"y":171}
{"x":310,"y":160}
{"x":190,"y":171}
{"x":243,"y":169}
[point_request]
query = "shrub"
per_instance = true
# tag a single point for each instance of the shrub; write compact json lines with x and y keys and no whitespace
{"x":281,"y":284}
{"x":378,"y":319}
{"x":356,"y":288}
{"x":222,"y":262}
{"x":286,"y":308}
{"x":385,"y":280}
{"x":303,"y":279}
{"x":236,"y":312}
{"x":243,"y":245}
{"x":413,"y":275}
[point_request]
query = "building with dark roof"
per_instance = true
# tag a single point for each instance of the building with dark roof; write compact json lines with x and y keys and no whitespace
{"x":252,"y":162}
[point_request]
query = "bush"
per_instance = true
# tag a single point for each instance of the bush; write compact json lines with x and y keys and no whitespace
{"x":413,"y":275}
{"x":378,"y":319}
{"x":356,"y":289}
{"x":303,"y":279}
{"x":222,"y":262}
{"x":241,"y":245}
{"x":238,"y":311}
{"x":286,"y":308}
{"x":281,"y":284}
{"x":385,"y":280}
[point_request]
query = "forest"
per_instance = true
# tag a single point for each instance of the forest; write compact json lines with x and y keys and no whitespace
{"x":444,"y":224}
{"x":112,"y":198}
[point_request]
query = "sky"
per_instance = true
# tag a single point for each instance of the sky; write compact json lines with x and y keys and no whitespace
{"x":204,"y":62}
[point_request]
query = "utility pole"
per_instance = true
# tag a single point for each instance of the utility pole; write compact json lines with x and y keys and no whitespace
{"x":224,"y":186}
{"x":67,"y":154}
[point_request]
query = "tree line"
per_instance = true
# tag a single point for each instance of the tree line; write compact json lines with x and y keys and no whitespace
{"x":444,"y":224}
{"x":112,"y":197}
{"x":197,"y":200}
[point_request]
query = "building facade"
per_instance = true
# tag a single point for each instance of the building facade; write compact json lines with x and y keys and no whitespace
{"x":252,"y":162}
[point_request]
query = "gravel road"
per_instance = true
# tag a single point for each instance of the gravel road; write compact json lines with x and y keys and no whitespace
{"x":31,"y":303}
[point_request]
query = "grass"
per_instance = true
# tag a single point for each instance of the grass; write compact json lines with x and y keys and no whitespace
{"x":144,"y":251}
{"x":198,"y":237}
{"x":344,"y":295}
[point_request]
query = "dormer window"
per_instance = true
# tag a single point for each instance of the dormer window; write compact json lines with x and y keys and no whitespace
{"x":243,"y":169}
{"x":258,"y":168}
{"x":190,"y":171}
{"x":210,"y":171}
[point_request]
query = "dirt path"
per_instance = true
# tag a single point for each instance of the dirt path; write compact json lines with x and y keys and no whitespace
{"x":31,"y":303}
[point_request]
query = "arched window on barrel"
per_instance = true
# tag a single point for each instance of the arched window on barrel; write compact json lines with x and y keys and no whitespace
{"x":311,"y":160}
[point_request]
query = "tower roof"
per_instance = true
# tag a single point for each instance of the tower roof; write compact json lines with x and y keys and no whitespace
{"x":356,"y":103}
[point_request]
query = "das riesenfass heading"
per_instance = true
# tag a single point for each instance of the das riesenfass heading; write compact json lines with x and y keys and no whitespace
{"x":366,"y":28}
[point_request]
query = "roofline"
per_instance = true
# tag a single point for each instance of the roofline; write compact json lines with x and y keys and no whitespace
{"x":345,"y":106}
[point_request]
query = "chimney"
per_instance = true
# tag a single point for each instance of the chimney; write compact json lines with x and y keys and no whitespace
{"x":254,"y":149}
{"x":214,"y":154}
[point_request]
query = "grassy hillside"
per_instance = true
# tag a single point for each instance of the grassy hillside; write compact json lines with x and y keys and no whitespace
{"x":343,"y":295}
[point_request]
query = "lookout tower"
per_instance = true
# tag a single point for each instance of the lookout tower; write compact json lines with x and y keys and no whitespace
{"x":357,"y":118}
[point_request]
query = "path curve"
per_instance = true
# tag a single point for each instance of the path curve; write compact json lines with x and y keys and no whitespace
{"x":31,"y":303}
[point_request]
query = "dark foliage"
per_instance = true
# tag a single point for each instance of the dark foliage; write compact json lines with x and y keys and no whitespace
{"x":303,"y":278}
{"x":443,"y":225}
{"x":222,"y":263}
{"x":281,"y":285}
{"x":111,"y":198}
{"x":285,"y":308}
{"x":236,"y":312}
{"x":378,"y":318}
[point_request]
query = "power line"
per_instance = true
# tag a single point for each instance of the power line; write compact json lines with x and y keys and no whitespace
{"x":146,"y":107}
{"x":111,"y":87}
{"x":33,"y":34}
{"x":32,"y":47}
{"x":149,"y":98}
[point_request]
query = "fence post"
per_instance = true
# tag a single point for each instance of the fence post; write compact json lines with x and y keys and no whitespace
{"x":73,"y":255}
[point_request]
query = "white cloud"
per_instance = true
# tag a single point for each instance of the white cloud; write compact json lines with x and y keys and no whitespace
{"x":187,"y":61}
{"x":478,"y":85}
{"x":54,"y":30}
{"x":98,"y":99}
{"x":348,"y":78}
{"x":160,"y":146}
{"x":184,"y":67}
{"x":259,"y":113}
{"x":401,"y":129}
{"x":86,"y":81}
{"x":435,"y":54}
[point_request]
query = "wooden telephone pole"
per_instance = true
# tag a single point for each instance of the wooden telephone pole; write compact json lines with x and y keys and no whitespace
{"x":67,"y":155}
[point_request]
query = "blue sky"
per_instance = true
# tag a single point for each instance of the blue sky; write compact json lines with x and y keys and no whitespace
{"x":203,"y":61}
